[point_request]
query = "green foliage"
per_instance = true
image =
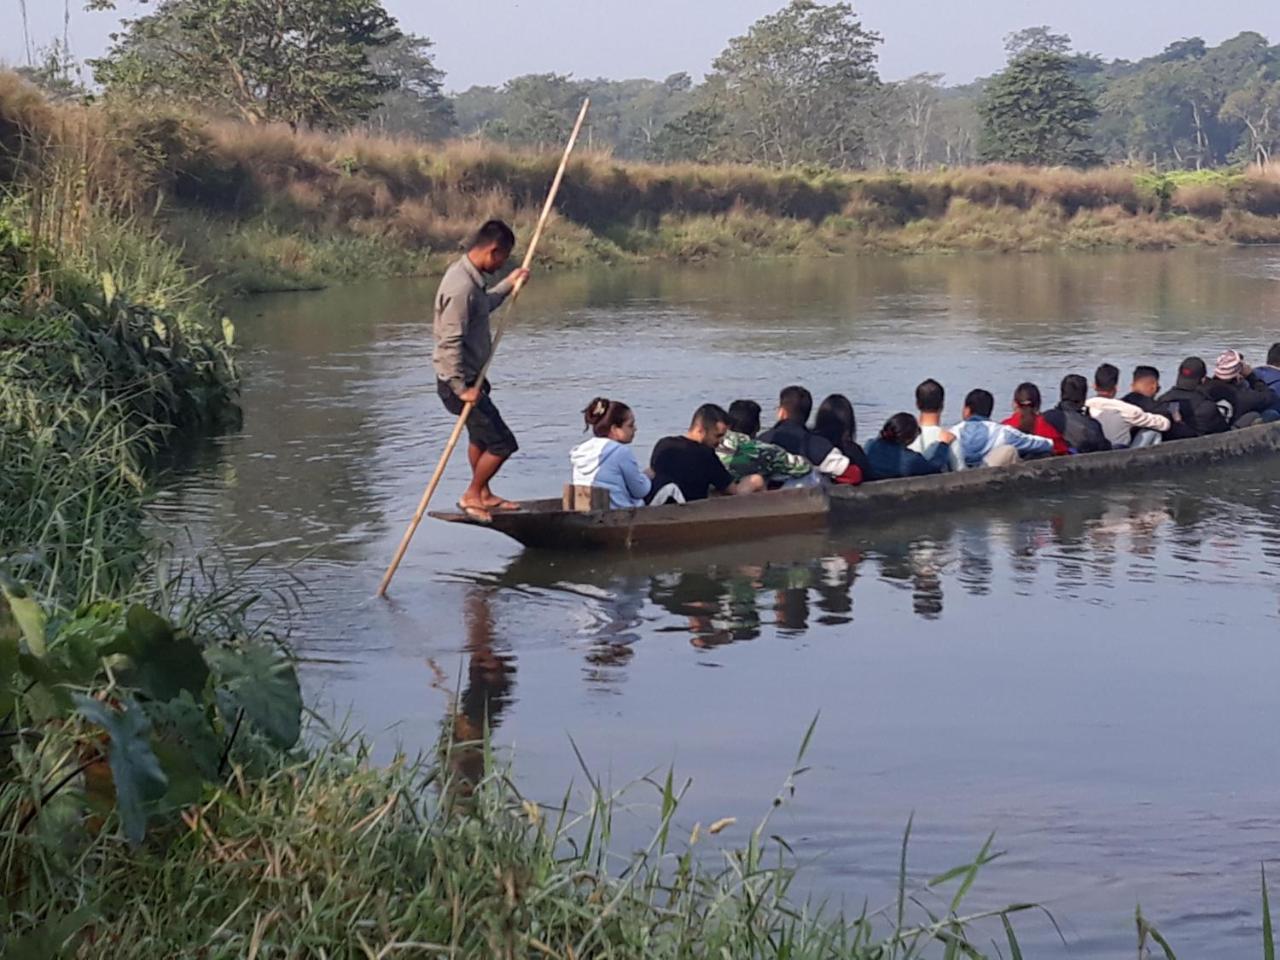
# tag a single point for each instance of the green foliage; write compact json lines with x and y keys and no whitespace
{"x":305,"y":62}
{"x":417,"y":105}
{"x":1037,"y":113}
{"x":163,"y":707}
{"x":797,"y":88}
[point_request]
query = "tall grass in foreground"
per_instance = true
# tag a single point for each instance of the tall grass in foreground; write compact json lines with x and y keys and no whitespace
{"x":328,"y":856}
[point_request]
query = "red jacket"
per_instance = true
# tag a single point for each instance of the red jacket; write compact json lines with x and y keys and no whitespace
{"x":1043,"y":429}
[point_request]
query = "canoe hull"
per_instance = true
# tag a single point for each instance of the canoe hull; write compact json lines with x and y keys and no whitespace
{"x":951,"y":490}
{"x":544,"y":525}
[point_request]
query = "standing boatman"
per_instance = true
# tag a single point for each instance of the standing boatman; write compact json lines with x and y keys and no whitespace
{"x":463,"y":344}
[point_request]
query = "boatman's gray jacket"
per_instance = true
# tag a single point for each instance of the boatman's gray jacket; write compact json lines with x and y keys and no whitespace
{"x":463,"y":338}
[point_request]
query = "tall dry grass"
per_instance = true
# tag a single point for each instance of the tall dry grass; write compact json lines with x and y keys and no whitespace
{"x":401,"y":205}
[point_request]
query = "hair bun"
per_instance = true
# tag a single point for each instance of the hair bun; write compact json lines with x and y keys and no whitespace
{"x":597,"y":409}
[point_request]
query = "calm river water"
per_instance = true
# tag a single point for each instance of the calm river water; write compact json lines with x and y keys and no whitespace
{"x":1096,"y":678}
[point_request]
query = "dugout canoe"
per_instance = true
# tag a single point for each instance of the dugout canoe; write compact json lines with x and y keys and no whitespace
{"x":1036,"y":477}
{"x":546,"y":525}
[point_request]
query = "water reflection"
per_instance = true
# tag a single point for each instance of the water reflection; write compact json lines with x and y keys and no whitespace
{"x":487,"y":692}
{"x":1075,"y":549}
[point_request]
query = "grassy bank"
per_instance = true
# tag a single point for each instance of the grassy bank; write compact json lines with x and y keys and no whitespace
{"x":260,"y":207}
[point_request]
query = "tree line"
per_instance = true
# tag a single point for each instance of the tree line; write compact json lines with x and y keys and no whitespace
{"x":800,"y":87}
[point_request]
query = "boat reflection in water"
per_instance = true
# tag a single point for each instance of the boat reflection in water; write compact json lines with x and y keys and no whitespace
{"x":788,"y":586}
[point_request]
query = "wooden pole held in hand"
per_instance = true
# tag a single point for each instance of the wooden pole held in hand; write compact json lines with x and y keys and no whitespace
{"x":484,"y":372}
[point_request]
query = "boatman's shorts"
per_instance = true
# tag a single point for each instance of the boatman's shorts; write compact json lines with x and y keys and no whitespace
{"x":485,"y":427}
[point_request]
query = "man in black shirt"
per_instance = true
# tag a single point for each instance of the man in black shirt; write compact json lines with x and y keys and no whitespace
{"x":690,"y":462}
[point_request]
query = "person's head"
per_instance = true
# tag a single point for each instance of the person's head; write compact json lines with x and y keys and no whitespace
{"x":795,"y":403}
{"x":836,"y":421}
{"x":1191,"y":373}
{"x":978,"y":403}
{"x":901,"y":430}
{"x":1075,"y":389}
{"x":744,"y":417}
{"x":1273,"y":355}
{"x":1106,"y":379}
{"x":491,"y":245}
{"x":611,"y":419}
{"x":1230,"y":366}
{"x":1146,"y":380}
{"x":1026,"y":404}
{"x":709,"y":425}
{"x":930,"y":396}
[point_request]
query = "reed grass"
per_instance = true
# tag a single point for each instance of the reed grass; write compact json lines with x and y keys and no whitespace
{"x":329,"y":855}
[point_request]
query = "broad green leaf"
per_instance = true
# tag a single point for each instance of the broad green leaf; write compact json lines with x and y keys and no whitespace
{"x":135,"y":770}
{"x":164,"y":662}
{"x":186,"y":722}
{"x":265,"y":686}
{"x":27,"y":614}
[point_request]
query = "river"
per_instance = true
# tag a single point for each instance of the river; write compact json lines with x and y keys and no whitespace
{"x":1093,"y":677}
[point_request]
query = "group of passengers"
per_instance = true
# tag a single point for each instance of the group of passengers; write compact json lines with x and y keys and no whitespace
{"x":727,"y":452}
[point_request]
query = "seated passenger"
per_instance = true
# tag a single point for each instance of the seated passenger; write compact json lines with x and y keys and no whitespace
{"x":1197,"y":411}
{"x":890,"y":456}
{"x":1245,"y":400}
{"x":835,"y":422}
{"x":606,"y":460}
{"x":1123,"y":424}
{"x":793,"y":435}
{"x":689,"y":463}
{"x":742,"y":454}
{"x":982,"y":443}
{"x":930,"y":398}
{"x":1071,"y":418}
{"x":1143,"y":392}
{"x":1269,"y":372}
{"x":1028,"y":418}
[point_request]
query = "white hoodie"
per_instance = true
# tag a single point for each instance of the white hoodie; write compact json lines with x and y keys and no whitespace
{"x":605,"y":463}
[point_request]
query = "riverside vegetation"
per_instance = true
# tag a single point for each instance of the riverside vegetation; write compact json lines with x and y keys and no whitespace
{"x":155,"y":798}
{"x":262,"y":207}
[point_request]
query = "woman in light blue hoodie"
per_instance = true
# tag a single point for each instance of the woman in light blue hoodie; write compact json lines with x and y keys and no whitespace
{"x":606,"y":459}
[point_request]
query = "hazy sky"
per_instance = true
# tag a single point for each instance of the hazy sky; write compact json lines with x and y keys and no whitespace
{"x":489,"y":42}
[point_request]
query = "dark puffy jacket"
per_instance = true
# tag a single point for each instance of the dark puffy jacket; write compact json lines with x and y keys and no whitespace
{"x":1246,"y":396}
{"x":1082,"y":433}
{"x":1199,"y":413}
{"x":1271,"y":377}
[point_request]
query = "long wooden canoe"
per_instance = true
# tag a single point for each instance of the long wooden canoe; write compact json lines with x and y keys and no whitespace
{"x":544,"y":524}
{"x":943,"y":491}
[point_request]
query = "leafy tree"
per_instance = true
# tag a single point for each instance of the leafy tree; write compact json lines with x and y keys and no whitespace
{"x":302,"y":62}
{"x":1036,"y":40}
{"x":417,"y":106}
{"x":541,"y":108}
{"x":697,"y":136}
{"x":1037,"y":112}
{"x":1257,"y":106}
{"x":798,"y":87}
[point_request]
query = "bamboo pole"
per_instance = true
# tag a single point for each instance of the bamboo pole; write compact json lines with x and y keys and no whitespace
{"x":484,"y":372}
